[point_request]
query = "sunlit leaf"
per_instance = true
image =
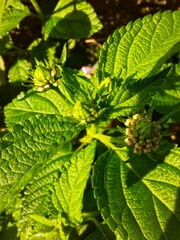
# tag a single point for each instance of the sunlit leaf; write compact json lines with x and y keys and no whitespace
{"x":140,"y":48}
{"x":27,"y":147}
{"x":140,"y":199}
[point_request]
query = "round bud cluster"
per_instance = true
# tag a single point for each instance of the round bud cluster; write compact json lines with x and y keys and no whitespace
{"x":44,"y":76}
{"x":142,"y":133}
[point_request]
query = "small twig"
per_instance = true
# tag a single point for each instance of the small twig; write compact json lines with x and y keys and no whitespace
{"x":93,"y":41}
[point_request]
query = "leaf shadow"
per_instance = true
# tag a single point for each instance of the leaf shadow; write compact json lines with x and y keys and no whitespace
{"x":141,"y":165}
{"x":172,"y":229}
{"x":74,"y":25}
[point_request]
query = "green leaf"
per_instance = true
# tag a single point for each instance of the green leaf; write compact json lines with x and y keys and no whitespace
{"x":19,"y":72}
{"x":167,"y":98}
{"x":75,"y":86}
{"x":72,"y":87}
{"x":139,"y":200}
{"x":5,"y":43}
{"x":66,"y":172}
{"x":130,"y":98}
{"x":69,"y":189}
{"x":12,"y":15}
{"x":141,"y":48}
{"x":38,"y":192}
{"x":40,"y":228}
{"x":72,"y":19}
{"x":38,"y":201}
{"x":27,"y":147}
{"x":2,"y":6}
{"x":26,"y":106}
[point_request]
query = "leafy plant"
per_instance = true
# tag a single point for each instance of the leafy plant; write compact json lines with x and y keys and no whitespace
{"x":88,"y":158}
{"x":55,"y":24}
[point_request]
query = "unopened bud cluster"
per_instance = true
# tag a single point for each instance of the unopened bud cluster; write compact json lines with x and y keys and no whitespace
{"x":44,"y":76}
{"x":142,"y":133}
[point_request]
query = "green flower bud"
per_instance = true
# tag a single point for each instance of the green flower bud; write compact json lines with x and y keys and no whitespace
{"x":80,"y":113}
{"x":148,"y":133}
{"x":142,"y":138}
{"x":148,"y":140}
{"x":141,"y":143}
{"x":44,"y":76}
{"x":135,"y":133}
{"x":41,"y":76}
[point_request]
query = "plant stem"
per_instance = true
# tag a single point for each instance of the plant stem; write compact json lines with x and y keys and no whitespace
{"x":37,"y":8}
{"x":80,"y":147}
{"x":60,"y":227}
{"x":106,"y":140}
{"x":99,"y":227}
{"x":91,"y":216}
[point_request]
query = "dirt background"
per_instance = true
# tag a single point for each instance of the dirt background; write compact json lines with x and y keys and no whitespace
{"x":115,"y":13}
